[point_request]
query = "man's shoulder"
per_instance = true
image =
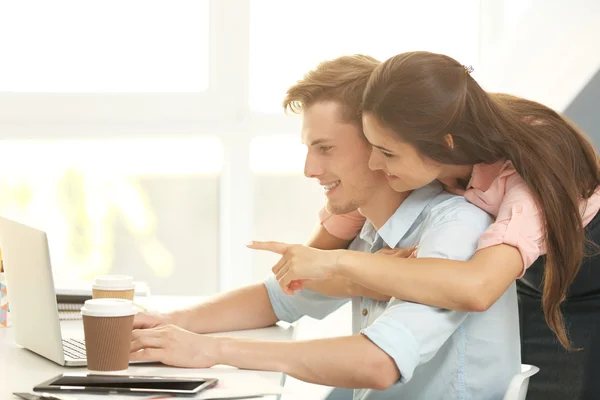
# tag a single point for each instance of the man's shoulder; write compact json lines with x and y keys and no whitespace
{"x":452,"y":228}
{"x":451,"y":207}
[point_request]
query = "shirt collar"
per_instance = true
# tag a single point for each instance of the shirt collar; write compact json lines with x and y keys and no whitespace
{"x":484,"y":175}
{"x":405,"y":216}
{"x":368,"y":233}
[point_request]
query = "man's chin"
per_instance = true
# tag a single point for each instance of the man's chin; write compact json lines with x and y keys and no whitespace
{"x":339,"y":209}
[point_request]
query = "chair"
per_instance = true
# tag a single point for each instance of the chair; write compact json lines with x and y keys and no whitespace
{"x":517,"y":388}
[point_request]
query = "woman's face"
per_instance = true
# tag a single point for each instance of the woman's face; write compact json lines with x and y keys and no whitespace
{"x":404,"y":167}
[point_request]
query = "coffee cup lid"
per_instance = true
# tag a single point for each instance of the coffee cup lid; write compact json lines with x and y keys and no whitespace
{"x":113,"y":282}
{"x":108,"y":308}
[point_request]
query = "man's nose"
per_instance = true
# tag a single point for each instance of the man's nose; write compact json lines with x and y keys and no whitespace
{"x":312,"y":167}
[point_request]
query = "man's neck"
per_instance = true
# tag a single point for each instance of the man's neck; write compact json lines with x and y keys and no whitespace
{"x":382,"y":205}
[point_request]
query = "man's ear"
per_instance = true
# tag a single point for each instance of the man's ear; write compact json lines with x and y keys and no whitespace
{"x":449,"y":141}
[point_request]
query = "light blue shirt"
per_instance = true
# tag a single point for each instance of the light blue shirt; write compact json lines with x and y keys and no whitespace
{"x":441,"y":354}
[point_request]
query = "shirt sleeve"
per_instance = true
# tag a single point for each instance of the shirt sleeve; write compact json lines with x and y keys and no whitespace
{"x":519,"y":223}
{"x":305,"y":302}
{"x":411,"y":333}
{"x":343,"y":226}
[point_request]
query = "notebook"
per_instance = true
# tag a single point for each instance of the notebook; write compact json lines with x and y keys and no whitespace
{"x":70,"y":296}
{"x":84,"y":289}
{"x":69,"y":311}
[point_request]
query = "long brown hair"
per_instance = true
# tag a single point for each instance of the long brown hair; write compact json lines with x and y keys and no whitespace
{"x":425,"y":96}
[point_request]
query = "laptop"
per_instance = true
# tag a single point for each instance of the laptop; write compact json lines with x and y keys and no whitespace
{"x":33,"y":306}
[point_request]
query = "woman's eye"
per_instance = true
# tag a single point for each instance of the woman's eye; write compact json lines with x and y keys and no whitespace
{"x":386,"y":154}
{"x":324,"y":149}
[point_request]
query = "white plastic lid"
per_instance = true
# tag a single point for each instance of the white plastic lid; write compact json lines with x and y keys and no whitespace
{"x":114,"y":282}
{"x":108,"y":308}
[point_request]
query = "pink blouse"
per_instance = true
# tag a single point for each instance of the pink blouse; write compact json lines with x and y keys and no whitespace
{"x":499,"y":190}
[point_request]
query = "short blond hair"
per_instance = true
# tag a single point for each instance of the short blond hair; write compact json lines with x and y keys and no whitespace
{"x":342,"y":80}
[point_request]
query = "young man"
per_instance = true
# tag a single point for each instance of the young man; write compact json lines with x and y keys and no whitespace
{"x":400,"y":349}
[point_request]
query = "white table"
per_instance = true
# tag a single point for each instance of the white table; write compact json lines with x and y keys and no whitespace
{"x":21,"y":370}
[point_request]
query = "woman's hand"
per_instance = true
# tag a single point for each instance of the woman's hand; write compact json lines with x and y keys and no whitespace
{"x":409,"y":252}
{"x":299,"y":262}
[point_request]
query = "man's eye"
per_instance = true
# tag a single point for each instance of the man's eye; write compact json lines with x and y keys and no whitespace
{"x":324,"y":149}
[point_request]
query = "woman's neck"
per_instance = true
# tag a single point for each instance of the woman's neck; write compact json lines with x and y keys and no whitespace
{"x":456,"y":176}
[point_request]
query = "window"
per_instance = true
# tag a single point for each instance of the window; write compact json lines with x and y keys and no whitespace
{"x":104,"y":46}
{"x":144,"y":207}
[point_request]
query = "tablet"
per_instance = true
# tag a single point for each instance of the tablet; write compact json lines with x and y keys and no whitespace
{"x":74,"y":382}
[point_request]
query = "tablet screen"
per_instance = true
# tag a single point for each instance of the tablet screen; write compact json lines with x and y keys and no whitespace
{"x":126,"y":383}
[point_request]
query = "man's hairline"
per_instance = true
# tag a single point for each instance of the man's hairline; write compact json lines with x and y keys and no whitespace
{"x":339,"y":117}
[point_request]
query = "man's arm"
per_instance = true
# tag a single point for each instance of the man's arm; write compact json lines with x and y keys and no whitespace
{"x":245,"y":308}
{"x":350,"y":362}
{"x":347,"y":362}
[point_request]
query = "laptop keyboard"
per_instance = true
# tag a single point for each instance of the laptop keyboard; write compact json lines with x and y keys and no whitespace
{"x":74,"y":349}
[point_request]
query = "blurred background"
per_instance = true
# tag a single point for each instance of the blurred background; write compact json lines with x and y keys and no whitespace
{"x":147,"y":136}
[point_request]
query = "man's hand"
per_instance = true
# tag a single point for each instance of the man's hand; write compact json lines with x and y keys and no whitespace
{"x":174,"y":346}
{"x":149,"y":321}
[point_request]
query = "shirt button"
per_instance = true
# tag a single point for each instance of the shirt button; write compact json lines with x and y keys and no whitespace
{"x":365,"y":312}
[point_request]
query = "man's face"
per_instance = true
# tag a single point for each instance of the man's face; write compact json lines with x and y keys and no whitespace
{"x":338,"y":157}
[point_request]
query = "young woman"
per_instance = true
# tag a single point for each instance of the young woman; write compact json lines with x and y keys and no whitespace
{"x":520,"y":161}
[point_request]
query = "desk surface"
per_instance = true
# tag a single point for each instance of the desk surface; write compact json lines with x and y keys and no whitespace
{"x":21,"y":370}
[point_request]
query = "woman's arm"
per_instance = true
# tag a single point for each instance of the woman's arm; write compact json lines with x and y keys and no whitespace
{"x":472,"y":285}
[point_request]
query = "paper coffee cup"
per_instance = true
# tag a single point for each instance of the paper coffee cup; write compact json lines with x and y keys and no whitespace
{"x":113,"y":287}
{"x":107,"y":326}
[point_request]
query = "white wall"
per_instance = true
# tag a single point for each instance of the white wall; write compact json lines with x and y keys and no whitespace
{"x":545,"y":50}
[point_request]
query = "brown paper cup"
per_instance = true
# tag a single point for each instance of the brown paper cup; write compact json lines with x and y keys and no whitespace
{"x":107,"y":342}
{"x":112,"y":294}
{"x":107,"y":326}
